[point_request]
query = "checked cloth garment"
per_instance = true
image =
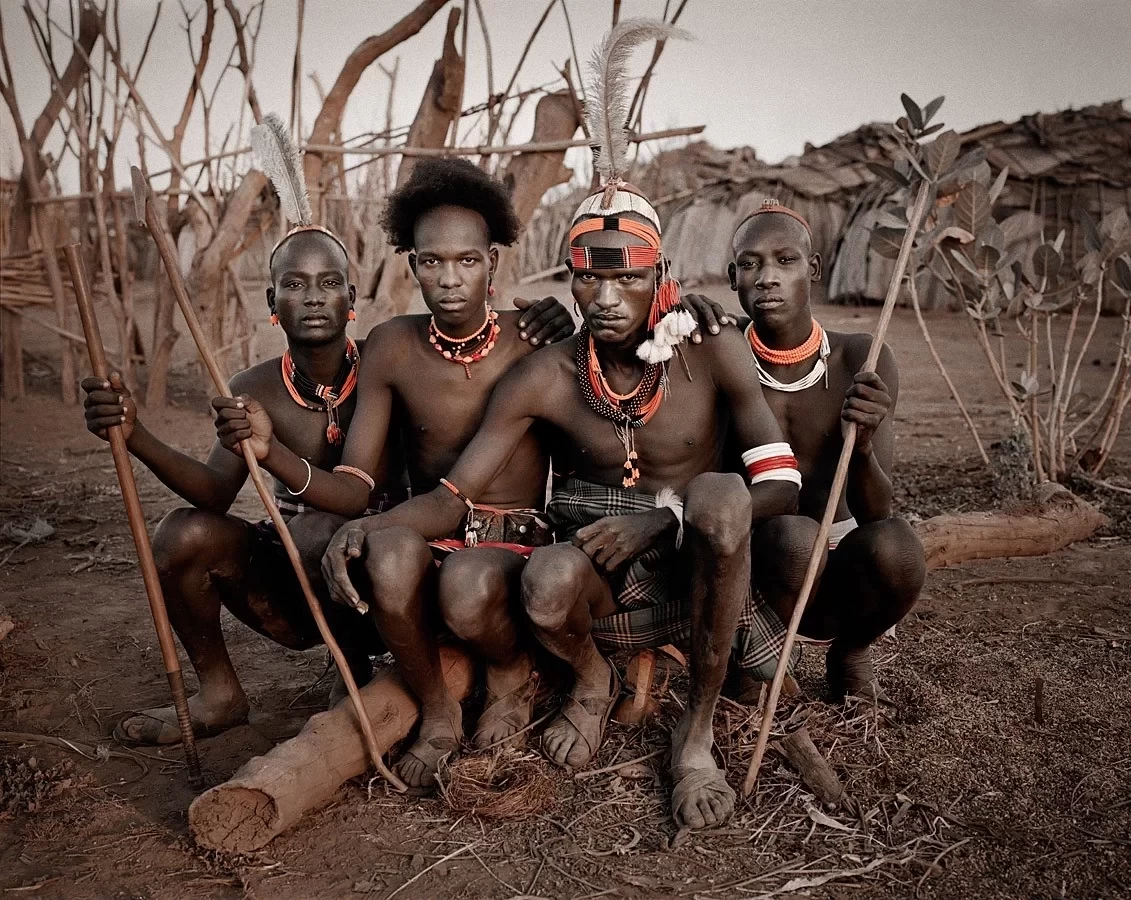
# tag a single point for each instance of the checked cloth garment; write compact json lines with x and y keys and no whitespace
{"x":652,"y":591}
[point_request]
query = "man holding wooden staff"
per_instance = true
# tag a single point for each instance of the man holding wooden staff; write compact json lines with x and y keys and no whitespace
{"x":207,"y":558}
{"x":874,"y":568}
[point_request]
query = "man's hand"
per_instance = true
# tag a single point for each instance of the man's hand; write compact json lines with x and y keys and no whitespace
{"x":243,"y":419}
{"x":108,"y":403}
{"x":866,"y":403}
{"x":347,"y":544}
{"x":710,"y":315}
{"x":615,"y":540}
{"x":543,"y":322}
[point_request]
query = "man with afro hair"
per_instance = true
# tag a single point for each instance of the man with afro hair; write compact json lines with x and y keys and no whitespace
{"x":437,"y":371}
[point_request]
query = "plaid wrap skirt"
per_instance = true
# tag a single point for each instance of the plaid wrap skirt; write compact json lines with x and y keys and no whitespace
{"x":652,"y":591}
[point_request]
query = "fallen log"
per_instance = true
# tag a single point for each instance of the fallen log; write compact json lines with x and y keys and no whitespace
{"x":271,"y":793}
{"x":1058,"y":519}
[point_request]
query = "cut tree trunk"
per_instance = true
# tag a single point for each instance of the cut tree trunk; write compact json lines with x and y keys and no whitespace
{"x":1058,"y":519}
{"x":530,"y":175}
{"x":439,"y":107}
{"x":271,"y":793}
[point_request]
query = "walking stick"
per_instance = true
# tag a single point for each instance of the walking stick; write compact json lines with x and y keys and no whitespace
{"x":137,"y":520}
{"x":835,"y":491}
{"x":148,"y":215}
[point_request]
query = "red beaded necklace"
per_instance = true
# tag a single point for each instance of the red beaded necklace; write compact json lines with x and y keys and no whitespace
{"x":327,"y":397}
{"x":626,"y":411}
{"x":470,"y":349}
{"x":786,"y":357}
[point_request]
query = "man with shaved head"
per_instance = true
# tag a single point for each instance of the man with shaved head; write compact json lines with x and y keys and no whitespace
{"x":874,"y":568}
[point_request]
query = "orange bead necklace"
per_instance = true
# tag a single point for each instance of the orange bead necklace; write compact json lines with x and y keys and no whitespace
{"x":786,"y":357}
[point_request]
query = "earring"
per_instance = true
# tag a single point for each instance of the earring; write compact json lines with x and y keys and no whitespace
{"x":490,"y":289}
{"x":274,"y":319}
{"x":577,"y":308}
{"x":352,"y":315}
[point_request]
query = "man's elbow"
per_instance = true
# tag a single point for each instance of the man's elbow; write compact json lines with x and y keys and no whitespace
{"x":773,"y":498}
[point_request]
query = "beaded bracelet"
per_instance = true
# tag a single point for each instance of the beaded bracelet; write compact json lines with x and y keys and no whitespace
{"x":357,"y":473}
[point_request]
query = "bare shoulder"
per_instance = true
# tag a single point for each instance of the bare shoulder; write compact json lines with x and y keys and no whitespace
{"x":726,"y":356}
{"x":390,"y":338}
{"x":258,"y":379}
{"x":854,"y":347}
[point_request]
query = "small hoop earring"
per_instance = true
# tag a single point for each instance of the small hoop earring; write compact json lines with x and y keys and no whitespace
{"x":577,"y":308}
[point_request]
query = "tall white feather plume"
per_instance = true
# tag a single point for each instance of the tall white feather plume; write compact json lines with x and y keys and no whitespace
{"x":607,"y":95}
{"x":281,"y":161}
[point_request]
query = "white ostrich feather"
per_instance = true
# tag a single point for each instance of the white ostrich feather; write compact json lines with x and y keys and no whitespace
{"x":607,"y":98}
{"x":281,"y":161}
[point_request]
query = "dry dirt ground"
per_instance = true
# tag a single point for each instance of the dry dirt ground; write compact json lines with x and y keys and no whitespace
{"x":976,"y":790}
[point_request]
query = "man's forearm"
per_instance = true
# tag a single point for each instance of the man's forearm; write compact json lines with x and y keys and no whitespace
{"x":433,"y":516}
{"x":772,"y":498}
{"x":869,"y":490}
{"x":185,"y":476}
{"x":339,"y":493}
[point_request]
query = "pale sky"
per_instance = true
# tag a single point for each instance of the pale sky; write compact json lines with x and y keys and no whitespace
{"x":771,"y":74}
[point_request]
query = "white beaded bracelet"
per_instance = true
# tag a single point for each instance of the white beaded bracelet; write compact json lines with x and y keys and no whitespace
{"x":309,"y":475}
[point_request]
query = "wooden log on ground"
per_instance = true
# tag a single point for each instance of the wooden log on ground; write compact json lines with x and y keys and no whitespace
{"x":1060,"y":518}
{"x":814,"y":769}
{"x":271,"y":793}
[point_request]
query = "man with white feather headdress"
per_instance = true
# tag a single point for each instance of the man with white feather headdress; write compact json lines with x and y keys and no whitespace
{"x":653,"y":542}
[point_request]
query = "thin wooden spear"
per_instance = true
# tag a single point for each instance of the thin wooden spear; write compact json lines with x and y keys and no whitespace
{"x":136,"y":519}
{"x":148,"y":214}
{"x":839,"y":479}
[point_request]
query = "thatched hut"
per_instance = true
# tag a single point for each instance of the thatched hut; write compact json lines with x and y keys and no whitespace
{"x":1060,"y":165}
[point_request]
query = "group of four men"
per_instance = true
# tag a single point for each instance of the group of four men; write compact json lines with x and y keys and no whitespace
{"x":686,"y":477}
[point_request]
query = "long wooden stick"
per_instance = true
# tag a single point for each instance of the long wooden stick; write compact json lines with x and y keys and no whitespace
{"x":148,"y":213}
{"x":136,"y":519}
{"x":839,"y":479}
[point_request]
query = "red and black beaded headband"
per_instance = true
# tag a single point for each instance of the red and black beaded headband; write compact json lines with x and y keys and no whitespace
{"x":614,"y":257}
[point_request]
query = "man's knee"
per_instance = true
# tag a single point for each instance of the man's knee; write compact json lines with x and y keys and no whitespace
{"x":472,"y":594}
{"x":394,"y":561}
{"x":311,"y":532}
{"x":895,"y":553}
{"x":185,"y":536}
{"x":781,"y":546}
{"x":551,"y":583}
{"x":717,"y":508}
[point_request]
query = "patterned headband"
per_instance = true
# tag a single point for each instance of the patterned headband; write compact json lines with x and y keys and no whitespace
{"x":614,"y":257}
{"x":772,"y":206}
{"x":622,"y":202}
{"x":298,"y":229}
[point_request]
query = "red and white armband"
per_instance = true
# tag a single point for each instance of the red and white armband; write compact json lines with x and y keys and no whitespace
{"x":772,"y":462}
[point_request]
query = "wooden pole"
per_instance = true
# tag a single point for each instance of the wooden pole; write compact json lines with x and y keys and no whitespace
{"x":839,"y":479}
{"x":136,"y":519}
{"x":147,"y":213}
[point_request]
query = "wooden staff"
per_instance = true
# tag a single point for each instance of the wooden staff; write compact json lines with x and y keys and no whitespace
{"x":148,"y":215}
{"x":820,"y":543}
{"x":137,"y":519}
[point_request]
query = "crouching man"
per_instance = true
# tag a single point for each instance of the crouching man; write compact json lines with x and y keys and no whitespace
{"x":656,"y":540}
{"x":874,"y":567}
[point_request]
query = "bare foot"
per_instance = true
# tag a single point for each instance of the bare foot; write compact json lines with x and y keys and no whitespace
{"x":159,"y":725}
{"x":510,"y":704}
{"x":701,"y":797}
{"x":575,"y":735}
{"x":439,"y":737}
{"x":850,"y":673}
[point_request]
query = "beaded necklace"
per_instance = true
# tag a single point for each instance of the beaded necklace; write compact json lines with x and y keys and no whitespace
{"x":328,"y":397}
{"x":819,"y":370}
{"x":470,"y":349}
{"x":628,"y":411}
{"x":786,"y":357}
